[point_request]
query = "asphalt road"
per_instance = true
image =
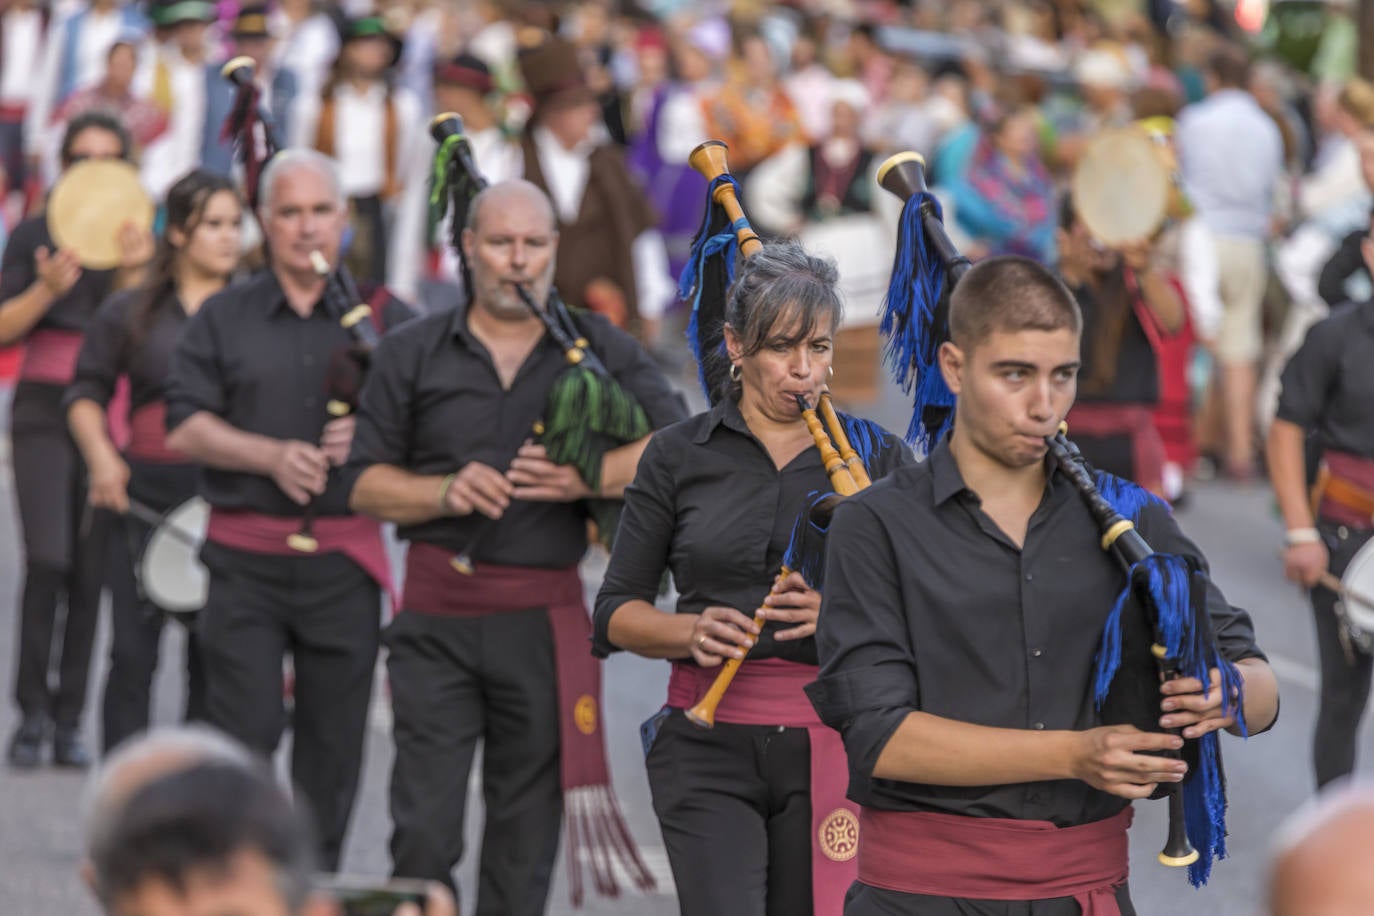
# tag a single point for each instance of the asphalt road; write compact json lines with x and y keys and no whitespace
{"x":1269,"y":776}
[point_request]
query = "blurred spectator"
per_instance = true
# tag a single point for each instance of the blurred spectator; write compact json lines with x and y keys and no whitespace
{"x":1003,"y":195}
{"x":371,"y":128}
{"x":74,"y":58}
{"x":182,"y":80}
{"x":1323,"y":863}
{"x":611,"y":257}
{"x":23,"y":24}
{"x":907,"y":119}
{"x":1271,"y":86}
{"x":1236,"y":207}
{"x":114,"y":94}
{"x":251,"y":37}
{"x":751,"y":112}
{"x":307,"y":43}
{"x":807,"y":84}
{"x":806,"y":184}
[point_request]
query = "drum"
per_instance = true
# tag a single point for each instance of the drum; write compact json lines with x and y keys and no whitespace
{"x":170,"y":572}
{"x":1355,"y":607}
{"x":1126,"y":184}
{"x":89,"y":204}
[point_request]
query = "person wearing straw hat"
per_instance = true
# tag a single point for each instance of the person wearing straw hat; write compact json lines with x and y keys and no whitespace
{"x":46,"y":300}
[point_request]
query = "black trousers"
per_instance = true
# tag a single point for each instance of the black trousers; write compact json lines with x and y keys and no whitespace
{"x":1344,"y":685}
{"x":366,"y":256}
{"x":325,"y":611}
{"x":863,"y":900}
{"x":64,"y":558}
{"x":734,"y":805}
{"x":455,"y":681}
{"x":136,"y":623}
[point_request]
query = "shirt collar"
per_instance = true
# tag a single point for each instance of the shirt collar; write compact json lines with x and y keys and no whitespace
{"x":275,"y":297}
{"x":724,"y":413}
{"x":949,"y":482}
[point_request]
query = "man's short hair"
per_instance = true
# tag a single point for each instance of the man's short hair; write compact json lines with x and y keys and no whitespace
{"x":1009,"y":294}
{"x":1230,"y":66}
{"x":198,"y":820}
{"x":293,"y":160}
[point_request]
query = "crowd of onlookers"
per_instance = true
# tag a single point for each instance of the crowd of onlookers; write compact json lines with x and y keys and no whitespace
{"x":1002,"y":97}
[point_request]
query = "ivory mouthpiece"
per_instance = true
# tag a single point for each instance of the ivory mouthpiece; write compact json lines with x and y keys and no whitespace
{"x":320,"y":265}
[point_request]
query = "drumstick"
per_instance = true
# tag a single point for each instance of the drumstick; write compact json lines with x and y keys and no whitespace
{"x":1327,"y":580}
{"x":151,"y":516}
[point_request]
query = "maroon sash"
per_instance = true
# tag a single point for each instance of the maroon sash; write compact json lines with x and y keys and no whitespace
{"x":594,"y":826}
{"x":50,"y":356}
{"x":1101,"y":418}
{"x":355,"y":536}
{"x":769,"y":692}
{"x":986,"y":858}
{"x":1345,"y":489}
{"x":148,"y":436}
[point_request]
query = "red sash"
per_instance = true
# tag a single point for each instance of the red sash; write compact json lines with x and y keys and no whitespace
{"x":986,"y":858}
{"x":1346,"y":489}
{"x":770,"y":692}
{"x":50,"y":356}
{"x":594,"y":827}
{"x":1101,"y":418}
{"x":148,"y":436}
{"x":355,"y":536}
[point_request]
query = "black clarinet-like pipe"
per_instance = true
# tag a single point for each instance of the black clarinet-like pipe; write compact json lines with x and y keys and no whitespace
{"x":1120,"y":537}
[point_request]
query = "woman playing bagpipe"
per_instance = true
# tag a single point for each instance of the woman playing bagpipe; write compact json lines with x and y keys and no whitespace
{"x":482,"y":433}
{"x":973,"y":621}
{"x":752,"y":809}
{"x":133,"y":335}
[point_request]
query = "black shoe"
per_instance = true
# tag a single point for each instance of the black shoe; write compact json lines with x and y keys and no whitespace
{"x":68,"y":750}
{"x":26,"y":747}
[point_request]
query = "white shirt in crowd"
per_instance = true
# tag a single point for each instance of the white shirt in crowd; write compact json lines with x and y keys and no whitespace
{"x":566,"y":171}
{"x":1213,"y":136}
{"x":307,"y":49}
{"x":98,"y":32}
{"x":178,"y":150}
{"x":19,"y":56}
{"x":360,"y":135}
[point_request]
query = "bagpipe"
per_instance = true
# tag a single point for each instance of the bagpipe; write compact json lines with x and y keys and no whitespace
{"x":726,"y":235}
{"x":251,"y":128}
{"x":1159,"y":627}
{"x":587,"y":412}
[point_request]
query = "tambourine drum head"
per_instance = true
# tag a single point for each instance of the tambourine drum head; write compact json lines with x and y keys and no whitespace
{"x":1359,"y":579}
{"x":171,"y":572}
{"x":1121,"y":186}
{"x":88,"y":205}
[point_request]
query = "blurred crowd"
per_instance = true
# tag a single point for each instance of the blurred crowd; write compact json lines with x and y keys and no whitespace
{"x":1264,"y":128}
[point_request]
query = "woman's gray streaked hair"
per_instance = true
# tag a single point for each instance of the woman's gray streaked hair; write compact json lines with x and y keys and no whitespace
{"x":783,"y":287}
{"x":292,"y":160}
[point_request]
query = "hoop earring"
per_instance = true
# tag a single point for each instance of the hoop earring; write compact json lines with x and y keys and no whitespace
{"x":831,"y":370}
{"x":734,"y":372}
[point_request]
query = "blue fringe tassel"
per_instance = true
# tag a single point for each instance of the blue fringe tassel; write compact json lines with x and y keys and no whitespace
{"x":1177,"y":590}
{"x":908,"y":323}
{"x":805,"y":552}
{"x":690,"y":284}
{"x":866,"y":437}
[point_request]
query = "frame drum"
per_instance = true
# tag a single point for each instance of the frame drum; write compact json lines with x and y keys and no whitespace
{"x":89,"y":204}
{"x":1126,"y":186}
{"x":1356,"y":604}
{"x":170,"y":570}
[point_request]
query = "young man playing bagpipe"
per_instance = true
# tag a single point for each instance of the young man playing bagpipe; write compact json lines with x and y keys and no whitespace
{"x":965,"y":602}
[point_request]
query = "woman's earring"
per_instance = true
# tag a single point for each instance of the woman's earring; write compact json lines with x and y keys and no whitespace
{"x":831,"y":370}
{"x":734,"y":372}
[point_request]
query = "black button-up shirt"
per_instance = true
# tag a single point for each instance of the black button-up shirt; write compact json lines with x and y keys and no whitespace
{"x":929,"y":607}
{"x":70,"y":311}
{"x":114,"y":346}
{"x":709,"y":504}
{"x":249,"y":359}
{"x":434,"y":402}
{"x":1328,"y":385}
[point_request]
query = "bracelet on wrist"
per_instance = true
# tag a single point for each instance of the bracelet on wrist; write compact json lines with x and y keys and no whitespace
{"x":444,"y":487}
{"x":1296,"y":536}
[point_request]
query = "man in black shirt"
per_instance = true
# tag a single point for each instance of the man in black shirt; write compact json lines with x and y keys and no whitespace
{"x":498,"y":650}
{"x":246,"y":399}
{"x":964,"y":602}
{"x":1326,"y":413}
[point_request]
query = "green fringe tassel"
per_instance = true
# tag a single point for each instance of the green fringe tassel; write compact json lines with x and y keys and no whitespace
{"x":439,"y":180}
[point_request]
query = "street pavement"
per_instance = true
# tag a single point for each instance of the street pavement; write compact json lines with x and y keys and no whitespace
{"x":1269,"y":776}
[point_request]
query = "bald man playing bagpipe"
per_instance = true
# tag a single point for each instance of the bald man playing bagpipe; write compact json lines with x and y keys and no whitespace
{"x":457,"y":443}
{"x":975,"y":636}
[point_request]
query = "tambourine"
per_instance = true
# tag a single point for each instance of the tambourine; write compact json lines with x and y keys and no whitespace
{"x":89,"y":204}
{"x":1126,"y":185}
{"x":170,"y":572}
